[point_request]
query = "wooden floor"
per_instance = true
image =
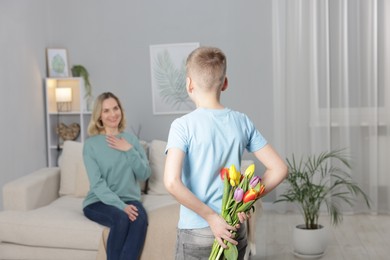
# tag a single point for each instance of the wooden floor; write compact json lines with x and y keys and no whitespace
{"x":358,"y":237}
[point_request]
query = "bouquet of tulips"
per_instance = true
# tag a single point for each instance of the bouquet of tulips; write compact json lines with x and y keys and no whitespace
{"x":239,"y":194}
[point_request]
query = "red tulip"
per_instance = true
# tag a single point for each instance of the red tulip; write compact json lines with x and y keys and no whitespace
{"x":250,"y":195}
{"x":223,"y":172}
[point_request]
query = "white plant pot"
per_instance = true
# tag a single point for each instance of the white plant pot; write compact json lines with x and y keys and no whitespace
{"x":310,"y":243}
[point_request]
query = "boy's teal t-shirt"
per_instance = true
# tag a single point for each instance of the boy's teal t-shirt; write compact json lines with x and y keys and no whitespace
{"x":211,"y":140}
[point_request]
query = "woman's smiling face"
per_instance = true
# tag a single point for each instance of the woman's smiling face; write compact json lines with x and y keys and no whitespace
{"x":111,"y":114}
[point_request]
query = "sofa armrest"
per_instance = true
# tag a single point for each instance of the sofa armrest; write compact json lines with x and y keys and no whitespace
{"x":33,"y":190}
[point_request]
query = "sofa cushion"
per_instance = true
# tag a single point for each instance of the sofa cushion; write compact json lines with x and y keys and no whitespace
{"x":11,"y":251}
{"x":72,"y":155}
{"x":82,"y":181}
{"x":153,"y":202}
{"x":157,"y":165}
{"x":161,"y":236}
{"x":42,"y":226}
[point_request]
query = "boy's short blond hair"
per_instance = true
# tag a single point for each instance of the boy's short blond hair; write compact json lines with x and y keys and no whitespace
{"x":207,"y":67}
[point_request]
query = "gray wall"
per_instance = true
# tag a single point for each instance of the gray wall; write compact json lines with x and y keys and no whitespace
{"x":22,"y":50}
{"x":111,"y":39}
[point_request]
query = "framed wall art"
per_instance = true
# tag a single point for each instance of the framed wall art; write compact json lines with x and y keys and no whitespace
{"x":168,"y":77}
{"x":57,"y":63}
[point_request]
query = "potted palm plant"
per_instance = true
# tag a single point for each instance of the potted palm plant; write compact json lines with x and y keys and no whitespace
{"x":314,"y":183}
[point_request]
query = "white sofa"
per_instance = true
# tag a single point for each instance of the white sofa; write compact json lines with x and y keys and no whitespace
{"x":43,"y":218}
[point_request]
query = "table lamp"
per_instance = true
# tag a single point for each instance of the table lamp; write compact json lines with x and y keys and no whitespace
{"x":64,"y":99}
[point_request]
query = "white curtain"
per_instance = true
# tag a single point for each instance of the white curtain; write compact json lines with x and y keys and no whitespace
{"x":332,"y":86}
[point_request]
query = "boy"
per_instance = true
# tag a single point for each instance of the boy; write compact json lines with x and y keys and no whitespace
{"x":199,"y":145}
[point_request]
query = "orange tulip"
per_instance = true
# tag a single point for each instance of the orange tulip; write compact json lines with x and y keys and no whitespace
{"x":262,"y":188}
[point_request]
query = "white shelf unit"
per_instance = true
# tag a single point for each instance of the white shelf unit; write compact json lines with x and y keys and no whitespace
{"x":77,"y":114}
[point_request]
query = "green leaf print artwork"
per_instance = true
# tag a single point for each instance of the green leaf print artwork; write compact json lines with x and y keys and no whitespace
{"x":171,"y":81}
{"x":58,"y":64}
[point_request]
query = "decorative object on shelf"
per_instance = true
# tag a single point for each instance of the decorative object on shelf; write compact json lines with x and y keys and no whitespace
{"x":81,"y":71}
{"x":168,"y":76}
{"x":57,"y":63}
{"x":54,"y":116}
{"x":64,"y":99}
{"x":70,"y":132}
{"x":320,"y":180}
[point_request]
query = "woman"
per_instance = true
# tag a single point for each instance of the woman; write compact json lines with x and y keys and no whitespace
{"x":115,"y":162}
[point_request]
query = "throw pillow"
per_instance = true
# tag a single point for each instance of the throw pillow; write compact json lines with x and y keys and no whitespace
{"x":72,"y":152}
{"x":82,"y":181}
{"x":157,"y":165}
{"x":144,"y":184}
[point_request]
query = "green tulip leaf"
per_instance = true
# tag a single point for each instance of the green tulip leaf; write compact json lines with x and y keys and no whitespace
{"x":231,"y":253}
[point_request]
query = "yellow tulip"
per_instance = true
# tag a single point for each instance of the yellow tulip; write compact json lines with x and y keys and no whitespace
{"x":235,"y":176}
{"x":250,"y":171}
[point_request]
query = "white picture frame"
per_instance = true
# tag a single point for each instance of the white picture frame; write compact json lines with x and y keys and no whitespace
{"x":57,"y":63}
{"x":168,"y":78}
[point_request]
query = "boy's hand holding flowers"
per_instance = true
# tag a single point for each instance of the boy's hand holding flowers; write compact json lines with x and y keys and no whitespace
{"x":239,"y":195}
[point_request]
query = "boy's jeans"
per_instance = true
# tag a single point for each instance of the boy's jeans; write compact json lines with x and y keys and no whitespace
{"x":194,"y":244}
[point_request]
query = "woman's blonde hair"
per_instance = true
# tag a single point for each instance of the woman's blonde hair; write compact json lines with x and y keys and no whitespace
{"x":95,"y":126}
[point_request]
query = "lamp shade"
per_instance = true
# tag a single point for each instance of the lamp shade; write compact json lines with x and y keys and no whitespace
{"x":63,"y":94}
